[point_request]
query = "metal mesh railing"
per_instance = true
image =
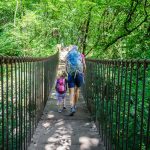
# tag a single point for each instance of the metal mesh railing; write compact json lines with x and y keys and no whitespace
{"x":118,"y":96}
{"x":25,"y":84}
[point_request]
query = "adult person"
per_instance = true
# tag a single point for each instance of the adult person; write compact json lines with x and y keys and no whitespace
{"x":75,"y":67}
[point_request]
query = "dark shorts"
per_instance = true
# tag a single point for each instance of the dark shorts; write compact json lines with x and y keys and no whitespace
{"x":75,"y":80}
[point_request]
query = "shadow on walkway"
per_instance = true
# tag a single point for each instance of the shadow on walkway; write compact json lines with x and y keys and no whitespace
{"x":59,"y":131}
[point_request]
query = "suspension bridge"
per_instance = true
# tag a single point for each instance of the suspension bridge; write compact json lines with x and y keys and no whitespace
{"x":113,"y":109}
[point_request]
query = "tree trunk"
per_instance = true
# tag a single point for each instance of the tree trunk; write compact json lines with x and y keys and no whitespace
{"x":86,"y":31}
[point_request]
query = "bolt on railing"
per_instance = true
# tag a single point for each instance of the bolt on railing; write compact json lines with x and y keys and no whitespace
{"x":118,"y":96}
{"x":25,"y":84}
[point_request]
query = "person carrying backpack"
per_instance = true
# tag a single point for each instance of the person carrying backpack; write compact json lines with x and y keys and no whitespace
{"x":75,"y":67}
{"x":61,"y":88}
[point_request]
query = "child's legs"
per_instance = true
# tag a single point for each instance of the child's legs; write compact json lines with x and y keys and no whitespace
{"x":64,"y":100}
{"x":59,"y":102}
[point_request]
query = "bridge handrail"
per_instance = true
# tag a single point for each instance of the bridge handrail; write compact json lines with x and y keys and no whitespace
{"x":117,"y":93}
{"x":119,"y":60}
{"x":13,"y":59}
{"x":25,"y":85}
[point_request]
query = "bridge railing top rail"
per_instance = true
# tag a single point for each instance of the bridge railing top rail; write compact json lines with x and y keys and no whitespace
{"x":112,"y":61}
{"x":14,"y":59}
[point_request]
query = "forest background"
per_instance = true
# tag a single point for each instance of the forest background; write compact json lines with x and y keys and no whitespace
{"x":104,"y":29}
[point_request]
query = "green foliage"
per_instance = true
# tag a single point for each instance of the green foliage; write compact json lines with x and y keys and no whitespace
{"x":104,"y":29}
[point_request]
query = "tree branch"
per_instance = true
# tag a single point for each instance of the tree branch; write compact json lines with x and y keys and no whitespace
{"x":127,"y":31}
{"x":130,"y":14}
{"x":98,"y":38}
{"x":86,"y":30}
{"x":123,"y":35}
{"x":15,"y":14}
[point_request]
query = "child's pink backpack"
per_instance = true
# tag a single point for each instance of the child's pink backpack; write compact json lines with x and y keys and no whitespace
{"x":61,"y":85}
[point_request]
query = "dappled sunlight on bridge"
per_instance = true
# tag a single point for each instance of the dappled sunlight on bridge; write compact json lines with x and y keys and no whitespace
{"x":88,"y":143}
{"x":62,"y":132}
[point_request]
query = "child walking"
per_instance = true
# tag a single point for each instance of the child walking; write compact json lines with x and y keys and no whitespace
{"x":61,"y":88}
